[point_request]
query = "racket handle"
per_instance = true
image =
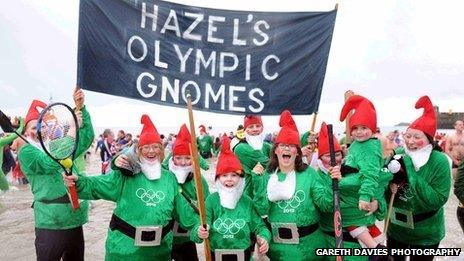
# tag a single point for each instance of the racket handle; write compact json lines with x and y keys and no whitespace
{"x":72,"y":192}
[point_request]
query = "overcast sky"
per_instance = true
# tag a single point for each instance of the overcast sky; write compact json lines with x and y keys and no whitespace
{"x":389,"y":51}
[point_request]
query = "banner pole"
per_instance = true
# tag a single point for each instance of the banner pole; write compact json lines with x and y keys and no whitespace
{"x":197,"y":175}
{"x":348,"y":94}
{"x":313,"y":124}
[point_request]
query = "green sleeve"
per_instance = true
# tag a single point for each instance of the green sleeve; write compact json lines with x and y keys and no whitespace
{"x":86,"y":133}
{"x":322,"y":195}
{"x":184,"y":213}
{"x":165,"y":163}
{"x":260,"y":199}
{"x":258,"y":226}
{"x":433,"y":193}
{"x":12,"y":136}
{"x":250,"y":157}
{"x":209,"y":217}
{"x":203,"y":163}
{"x":35,"y":161}
{"x":204,"y":184}
{"x":369,"y":168}
{"x":107,"y":186}
{"x":459,"y":183}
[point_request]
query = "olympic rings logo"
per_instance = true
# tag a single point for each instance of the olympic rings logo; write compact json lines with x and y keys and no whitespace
{"x":228,"y":226}
{"x":405,"y":193}
{"x":150,"y":197}
{"x":294,"y":202}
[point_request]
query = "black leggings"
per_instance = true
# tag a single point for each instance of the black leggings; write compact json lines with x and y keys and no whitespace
{"x":65,"y":244}
{"x":184,"y":252}
{"x":392,"y":243}
{"x":460,"y":215}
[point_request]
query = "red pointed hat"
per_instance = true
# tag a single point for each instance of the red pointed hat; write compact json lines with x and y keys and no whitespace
{"x":182,"y":144}
{"x":251,"y":119}
{"x":364,"y":112}
{"x":323,"y":141}
{"x":289,"y":132}
{"x":149,"y":134}
{"x":227,"y":161}
{"x":33,"y":113}
{"x":428,"y":121}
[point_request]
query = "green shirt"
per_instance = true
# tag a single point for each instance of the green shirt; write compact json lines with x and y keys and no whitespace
{"x":366,"y":156}
{"x":428,"y":190}
{"x":45,"y":177}
{"x":205,"y":143}
{"x":249,"y":157}
{"x":139,"y":202}
{"x":302,"y":209}
{"x":7,"y":139}
{"x":231,"y":228}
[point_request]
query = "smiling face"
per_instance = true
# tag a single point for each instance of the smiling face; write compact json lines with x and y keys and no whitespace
{"x":31,"y":130}
{"x":182,"y":160}
{"x":229,"y":180}
{"x":152,"y":152}
{"x":361,"y":133}
{"x":326,"y":159}
{"x":286,"y":155}
{"x":415,"y":139}
{"x":254,"y":129}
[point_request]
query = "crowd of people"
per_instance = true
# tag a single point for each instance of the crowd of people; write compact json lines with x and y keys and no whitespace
{"x":273,"y":192}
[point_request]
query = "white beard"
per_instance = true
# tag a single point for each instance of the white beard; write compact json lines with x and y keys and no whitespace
{"x":180,"y":172}
{"x":151,"y":170}
{"x":255,"y":141}
{"x":230,"y":196}
{"x":281,"y":190}
{"x":321,"y":167}
{"x":419,"y":157}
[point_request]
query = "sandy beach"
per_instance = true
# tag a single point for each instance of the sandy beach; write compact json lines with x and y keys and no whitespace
{"x":17,"y":223}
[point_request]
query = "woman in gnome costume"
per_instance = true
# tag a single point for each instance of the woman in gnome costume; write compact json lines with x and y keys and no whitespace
{"x":288,"y":193}
{"x":230,"y":213}
{"x":252,"y":150}
{"x":58,"y":228}
{"x":365,"y":158}
{"x":146,"y":203}
{"x":347,"y":185}
{"x":417,"y":219}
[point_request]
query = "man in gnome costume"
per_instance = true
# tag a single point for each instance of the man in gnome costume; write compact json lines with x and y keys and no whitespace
{"x":346,"y":185}
{"x":147,"y":200}
{"x":288,"y":193}
{"x":253,"y":150}
{"x":230,"y":213}
{"x":364,"y":155}
{"x":58,"y":228}
{"x":205,"y":143}
{"x":417,"y":220}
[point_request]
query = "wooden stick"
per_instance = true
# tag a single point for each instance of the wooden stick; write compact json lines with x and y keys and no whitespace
{"x":313,"y":124}
{"x":390,"y":208}
{"x":348,"y":94}
{"x":197,"y":176}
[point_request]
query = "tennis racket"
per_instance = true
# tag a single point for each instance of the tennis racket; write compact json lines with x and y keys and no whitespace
{"x":58,"y":133}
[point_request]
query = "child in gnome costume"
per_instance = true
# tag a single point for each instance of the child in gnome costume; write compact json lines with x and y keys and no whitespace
{"x":288,"y":193}
{"x":147,"y":202}
{"x":347,"y":184}
{"x":58,"y":228}
{"x":230,"y":213}
{"x":252,"y":150}
{"x":417,"y":220}
{"x":365,"y":156}
{"x":181,"y":165}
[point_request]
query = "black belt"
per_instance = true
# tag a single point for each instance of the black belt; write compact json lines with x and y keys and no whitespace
{"x":247,"y":253}
{"x":61,"y":200}
{"x":346,"y":236}
{"x":286,"y":233}
{"x":129,"y":230}
{"x":416,"y":218}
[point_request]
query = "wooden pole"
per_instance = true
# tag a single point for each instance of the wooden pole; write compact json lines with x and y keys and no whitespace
{"x":313,"y":124}
{"x":197,"y":176}
{"x":348,"y":94}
